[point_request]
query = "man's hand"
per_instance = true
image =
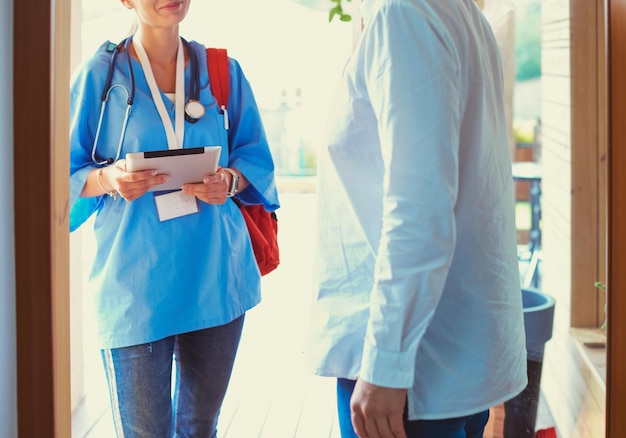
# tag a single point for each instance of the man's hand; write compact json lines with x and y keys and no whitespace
{"x":377,"y":411}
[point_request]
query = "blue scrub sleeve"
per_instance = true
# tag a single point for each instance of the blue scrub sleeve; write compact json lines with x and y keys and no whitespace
{"x":84,"y":110}
{"x":249,"y":150}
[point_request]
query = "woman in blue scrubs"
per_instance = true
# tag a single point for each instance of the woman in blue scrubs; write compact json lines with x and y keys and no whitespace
{"x":171,"y":290}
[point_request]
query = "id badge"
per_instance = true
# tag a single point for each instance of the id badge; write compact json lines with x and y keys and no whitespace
{"x":171,"y":205}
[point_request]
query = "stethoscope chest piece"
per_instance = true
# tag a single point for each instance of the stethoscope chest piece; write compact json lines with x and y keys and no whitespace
{"x":194,"y":111}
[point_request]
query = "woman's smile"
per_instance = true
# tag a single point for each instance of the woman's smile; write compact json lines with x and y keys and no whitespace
{"x":173,"y":6}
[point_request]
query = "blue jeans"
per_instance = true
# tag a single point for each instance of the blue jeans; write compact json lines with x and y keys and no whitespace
{"x":472,"y":426}
{"x":140,"y":383}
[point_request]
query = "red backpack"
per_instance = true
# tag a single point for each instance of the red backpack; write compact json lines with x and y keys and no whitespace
{"x":262,"y":224}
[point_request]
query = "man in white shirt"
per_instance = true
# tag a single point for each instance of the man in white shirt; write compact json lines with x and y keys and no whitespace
{"x":419,"y":308}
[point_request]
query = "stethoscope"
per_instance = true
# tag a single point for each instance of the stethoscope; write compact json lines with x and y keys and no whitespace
{"x":194,"y":110}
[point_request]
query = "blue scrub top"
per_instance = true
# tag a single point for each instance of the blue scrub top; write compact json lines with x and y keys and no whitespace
{"x":156,"y":279}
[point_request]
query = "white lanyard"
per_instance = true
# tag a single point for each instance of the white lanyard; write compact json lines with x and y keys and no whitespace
{"x":174,"y":136}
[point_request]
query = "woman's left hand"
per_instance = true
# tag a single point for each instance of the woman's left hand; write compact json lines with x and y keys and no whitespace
{"x":212,"y":190}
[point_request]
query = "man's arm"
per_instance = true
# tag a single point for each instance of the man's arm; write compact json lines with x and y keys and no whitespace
{"x":413,"y":81}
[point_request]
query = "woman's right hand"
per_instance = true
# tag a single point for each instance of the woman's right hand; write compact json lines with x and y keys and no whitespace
{"x":129,"y":185}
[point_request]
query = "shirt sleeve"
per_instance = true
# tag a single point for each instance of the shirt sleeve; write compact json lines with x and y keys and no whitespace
{"x":82,"y":112}
{"x":410,"y":70}
{"x":249,"y":149}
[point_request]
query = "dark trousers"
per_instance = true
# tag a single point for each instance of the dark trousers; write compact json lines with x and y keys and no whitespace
{"x":471,"y":426}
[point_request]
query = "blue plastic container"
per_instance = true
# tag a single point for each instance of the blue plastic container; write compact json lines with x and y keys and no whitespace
{"x":520,"y":413}
{"x":538,"y":321}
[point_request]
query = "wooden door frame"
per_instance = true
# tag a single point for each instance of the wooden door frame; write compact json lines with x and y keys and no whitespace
{"x":588,"y":161}
{"x":616,"y":283}
{"x":41,"y":184}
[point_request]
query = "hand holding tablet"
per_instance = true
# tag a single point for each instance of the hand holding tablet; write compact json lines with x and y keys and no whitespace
{"x":187,"y":165}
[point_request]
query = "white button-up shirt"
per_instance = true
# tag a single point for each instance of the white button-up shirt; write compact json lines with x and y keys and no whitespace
{"x":418,"y":276}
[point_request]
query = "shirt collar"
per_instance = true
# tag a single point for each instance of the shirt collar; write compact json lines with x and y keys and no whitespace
{"x":369,"y":7}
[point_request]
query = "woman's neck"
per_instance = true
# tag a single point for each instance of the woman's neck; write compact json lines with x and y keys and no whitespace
{"x":160,"y":45}
{"x":162,"y":49}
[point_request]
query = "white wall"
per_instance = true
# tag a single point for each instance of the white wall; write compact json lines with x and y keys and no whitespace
{"x":8,"y":388}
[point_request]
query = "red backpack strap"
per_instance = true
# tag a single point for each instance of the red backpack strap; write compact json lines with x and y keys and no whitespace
{"x":219,"y":78}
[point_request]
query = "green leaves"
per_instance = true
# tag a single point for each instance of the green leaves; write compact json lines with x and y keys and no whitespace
{"x":337,"y":10}
{"x":528,"y":41}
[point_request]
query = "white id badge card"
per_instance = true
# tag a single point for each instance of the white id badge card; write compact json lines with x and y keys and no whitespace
{"x":175,"y":204}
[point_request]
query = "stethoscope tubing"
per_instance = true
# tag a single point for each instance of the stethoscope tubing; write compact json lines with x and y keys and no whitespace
{"x":130,"y":95}
{"x":99,"y":127}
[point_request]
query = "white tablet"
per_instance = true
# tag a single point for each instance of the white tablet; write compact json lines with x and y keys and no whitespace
{"x":186,"y":165}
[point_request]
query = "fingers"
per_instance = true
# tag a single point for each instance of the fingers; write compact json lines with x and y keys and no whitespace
{"x":378,"y":426}
{"x":396,"y":426}
{"x":132,"y":185}
{"x":358,"y":423}
{"x":213,"y":190}
{"x":121,"y":164}
{"x":377,"y":411}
